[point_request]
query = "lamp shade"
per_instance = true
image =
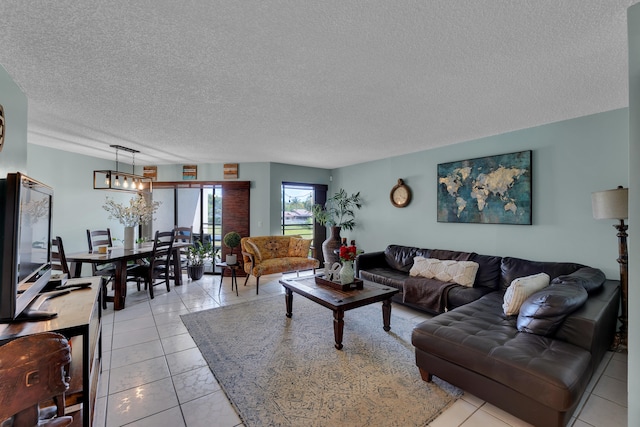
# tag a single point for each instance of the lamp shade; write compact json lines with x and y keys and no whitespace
{"x":610,"y":204}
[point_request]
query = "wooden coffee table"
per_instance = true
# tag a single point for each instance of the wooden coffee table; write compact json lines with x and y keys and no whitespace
{"x":340,"y":301}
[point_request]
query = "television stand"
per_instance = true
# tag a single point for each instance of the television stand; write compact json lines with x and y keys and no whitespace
{"x":79,"y":320}
{"x":33,"y":313}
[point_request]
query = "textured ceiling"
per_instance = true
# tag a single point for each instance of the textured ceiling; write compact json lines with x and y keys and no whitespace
{"x":316,"y":83}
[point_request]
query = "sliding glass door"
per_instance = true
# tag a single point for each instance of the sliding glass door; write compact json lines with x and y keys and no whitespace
{"x":199,"y":208}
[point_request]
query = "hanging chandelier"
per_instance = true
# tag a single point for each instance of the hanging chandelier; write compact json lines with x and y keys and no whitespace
{"x":122,"y":181}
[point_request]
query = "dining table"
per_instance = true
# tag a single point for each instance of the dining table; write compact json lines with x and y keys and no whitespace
{"x":120,"y":258}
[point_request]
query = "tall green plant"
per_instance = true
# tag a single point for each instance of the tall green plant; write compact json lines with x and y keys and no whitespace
{"x":339,"y":210}
{"x":198,"y":253}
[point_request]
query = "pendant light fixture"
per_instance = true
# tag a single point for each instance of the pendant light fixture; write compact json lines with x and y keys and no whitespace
{"x":119,"y":180}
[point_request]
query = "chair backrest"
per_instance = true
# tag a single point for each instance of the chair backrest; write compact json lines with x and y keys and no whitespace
{"x":97,"y":238}
{"x":58,"y":258}
{"x":162,"y":245}
{"x":183,"y":234}
{"x":32,"y":369}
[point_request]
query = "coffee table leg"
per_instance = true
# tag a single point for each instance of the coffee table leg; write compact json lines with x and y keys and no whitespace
{"x":288,"y":299}
{"x":386,"y":314}
{"x":338,"y":327}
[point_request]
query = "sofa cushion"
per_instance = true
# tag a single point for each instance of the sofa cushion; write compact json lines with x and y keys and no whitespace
{"x":544,"y":311}
{"x":488,"y":271}
{"x":512,"y":268}
{"x":401,"y":257}
{"x":520,"y":289}
{"x":460,"y":272}
{"x":385,"y":276}
{"x":591,"y":279}
{"x":299,"y":247}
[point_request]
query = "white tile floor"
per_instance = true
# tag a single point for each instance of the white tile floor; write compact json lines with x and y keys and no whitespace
{"x":154,"y":375}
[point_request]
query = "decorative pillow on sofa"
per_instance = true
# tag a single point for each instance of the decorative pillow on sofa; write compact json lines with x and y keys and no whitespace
{"x":544,"y":311}
{"x":299,"y":247}
{"x":522,"y":288}
{"x":460,"y":272}
{"x":591,"y":279}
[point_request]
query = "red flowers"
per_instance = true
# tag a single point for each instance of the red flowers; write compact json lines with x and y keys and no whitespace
{"x":348,"y":253}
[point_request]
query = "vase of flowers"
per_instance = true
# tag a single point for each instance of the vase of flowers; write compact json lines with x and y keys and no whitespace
{"x":347,"y":256}
{"x":139,"y":211}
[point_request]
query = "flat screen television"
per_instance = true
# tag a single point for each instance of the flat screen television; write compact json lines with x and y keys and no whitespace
{"x":25,"y":251}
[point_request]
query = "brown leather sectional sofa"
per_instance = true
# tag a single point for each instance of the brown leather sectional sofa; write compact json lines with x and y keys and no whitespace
{"x":536,"y":365}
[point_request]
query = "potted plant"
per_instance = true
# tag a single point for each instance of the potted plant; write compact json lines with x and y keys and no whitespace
{"x":232,"y":241}
{"x":337,"y":213}
{"x":197,"y":254}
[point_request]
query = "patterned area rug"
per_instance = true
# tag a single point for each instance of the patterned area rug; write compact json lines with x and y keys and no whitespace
{"x":286,"y":372}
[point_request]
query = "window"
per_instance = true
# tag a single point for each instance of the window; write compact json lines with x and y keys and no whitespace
{"x":296,"y":217}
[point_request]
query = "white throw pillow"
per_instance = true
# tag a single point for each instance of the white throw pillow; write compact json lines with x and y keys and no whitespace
{"x":460,"y":272}
{"x":521,"y":289}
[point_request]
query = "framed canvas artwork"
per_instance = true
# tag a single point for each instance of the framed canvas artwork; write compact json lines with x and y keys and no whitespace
{"x":190,"y":172}
{"x":486,"y":190}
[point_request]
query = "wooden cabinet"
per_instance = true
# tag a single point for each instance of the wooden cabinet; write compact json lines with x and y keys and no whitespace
{"x":79,"y":316}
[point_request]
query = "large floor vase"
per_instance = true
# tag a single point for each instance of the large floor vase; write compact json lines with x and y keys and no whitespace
{"x":330,"y":245}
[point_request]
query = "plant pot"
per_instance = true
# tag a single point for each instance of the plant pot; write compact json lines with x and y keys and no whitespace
{"x":330,"y":245}
{"x":195,"y":272}
{"x":232,"y":259}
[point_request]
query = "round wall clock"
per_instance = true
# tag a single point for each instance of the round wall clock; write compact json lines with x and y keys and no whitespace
{"x":2,"y":127}
{"x":400,"y":195}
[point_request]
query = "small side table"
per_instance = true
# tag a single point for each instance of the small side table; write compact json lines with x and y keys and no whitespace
{"x":234,"y":278}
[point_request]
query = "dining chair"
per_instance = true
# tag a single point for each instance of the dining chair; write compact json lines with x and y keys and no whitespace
{"x":183,"y":235}
{"x":34,"y":369}
{"x":96,"y":238}
{"x":159,"y":265}
{"x":58,"y":258}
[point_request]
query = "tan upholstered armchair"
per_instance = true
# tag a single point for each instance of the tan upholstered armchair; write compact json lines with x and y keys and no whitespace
{"x":276,"y":254}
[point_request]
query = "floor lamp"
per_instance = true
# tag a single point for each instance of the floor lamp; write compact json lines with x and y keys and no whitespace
{"x":614,"y":204}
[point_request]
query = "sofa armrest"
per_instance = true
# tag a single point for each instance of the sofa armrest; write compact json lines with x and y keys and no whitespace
{"x":593,"y":325}
{"x":366,"y":261}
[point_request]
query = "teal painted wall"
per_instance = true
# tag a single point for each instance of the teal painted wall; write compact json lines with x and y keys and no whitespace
{"x":13,"y":157}
{"x":571,"y":159}
{"x":76,"y":205}
{"x":633,"y":379}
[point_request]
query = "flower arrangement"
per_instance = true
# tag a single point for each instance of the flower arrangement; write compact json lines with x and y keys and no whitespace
{"x":348,"y":253}
{"x":138,"y":212}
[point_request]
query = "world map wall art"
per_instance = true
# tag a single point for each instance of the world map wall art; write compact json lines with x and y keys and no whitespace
{"x":487,"y":190}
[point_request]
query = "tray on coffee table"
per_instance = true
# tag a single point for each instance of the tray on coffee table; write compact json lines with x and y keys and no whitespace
{"x":357,"y":284}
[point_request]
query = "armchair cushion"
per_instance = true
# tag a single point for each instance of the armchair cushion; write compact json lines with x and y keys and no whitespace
{"x":299,"y":247}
